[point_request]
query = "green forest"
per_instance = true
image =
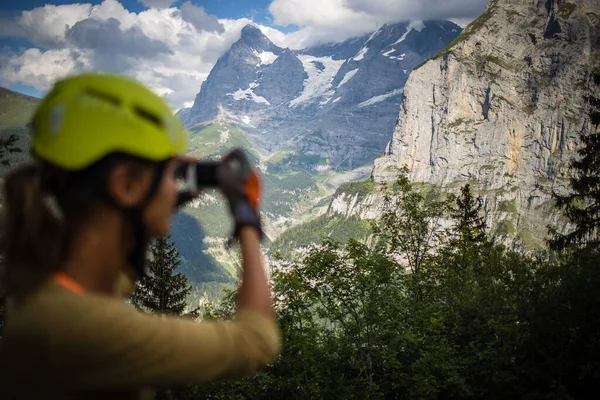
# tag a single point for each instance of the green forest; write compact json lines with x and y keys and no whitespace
{"x":433,"y":312}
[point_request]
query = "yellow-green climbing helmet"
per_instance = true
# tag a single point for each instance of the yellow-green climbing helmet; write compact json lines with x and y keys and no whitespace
{"x":87,"y":116}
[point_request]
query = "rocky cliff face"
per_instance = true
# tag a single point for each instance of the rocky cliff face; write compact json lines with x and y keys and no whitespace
{"x":337,"y":101}
{"x":502,"y":107}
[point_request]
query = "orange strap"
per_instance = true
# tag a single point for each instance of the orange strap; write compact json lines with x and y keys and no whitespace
{"x":68,"y":283}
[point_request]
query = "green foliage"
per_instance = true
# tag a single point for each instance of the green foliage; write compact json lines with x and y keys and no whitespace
{"x":505,"y":228}
{"x":474,"y":319}
{"x":409,"y":226}
{"x":469,"y":227}
{"x":566,"y":9}
{"x":581,"y":207}
{"x":282,"y":194}
{"x":162,"y":291}
{"x":294,"y":161}
{"x":213,"y":139}
{"x":362,"y":188}
{"x":8,"y":146}
{"x":456,"y":123}
{"x":337,"y":228}
{"x":508,"y":206}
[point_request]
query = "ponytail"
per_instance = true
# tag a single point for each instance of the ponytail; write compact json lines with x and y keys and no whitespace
{"x":32,"y":237}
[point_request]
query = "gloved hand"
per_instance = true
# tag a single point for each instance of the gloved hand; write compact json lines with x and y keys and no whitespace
{"x":241,"y":187}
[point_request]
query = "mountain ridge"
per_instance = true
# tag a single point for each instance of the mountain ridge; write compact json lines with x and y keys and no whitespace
{"x":318,"y":100}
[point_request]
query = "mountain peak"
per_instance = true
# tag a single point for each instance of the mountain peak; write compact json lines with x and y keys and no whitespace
{"x":256,"y":40}
{"x":251,"y":30}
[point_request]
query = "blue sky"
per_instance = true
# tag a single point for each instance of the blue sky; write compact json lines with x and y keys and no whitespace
{"x":172,"y":45}
{"x":223,"y":8}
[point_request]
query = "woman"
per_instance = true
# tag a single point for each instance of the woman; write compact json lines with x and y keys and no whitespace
{"x":78,"y":222}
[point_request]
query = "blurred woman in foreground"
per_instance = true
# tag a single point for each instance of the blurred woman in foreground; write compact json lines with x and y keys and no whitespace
{"x":80,"y":219}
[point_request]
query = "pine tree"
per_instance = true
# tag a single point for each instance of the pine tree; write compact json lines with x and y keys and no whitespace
{"x":164,"y":291}
{"x":470,"y":225}
{"x":581,"y":207}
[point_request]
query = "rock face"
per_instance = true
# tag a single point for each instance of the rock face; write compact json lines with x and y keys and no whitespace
{"x":338,"y":101}
{"x":502,"y":107}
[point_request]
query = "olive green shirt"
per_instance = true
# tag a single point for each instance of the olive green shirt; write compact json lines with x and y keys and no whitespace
{"x":59,"y":344}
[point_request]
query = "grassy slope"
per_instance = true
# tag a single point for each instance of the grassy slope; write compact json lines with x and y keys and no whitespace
{"x":15,"y":112}
{"x":15,"y":109}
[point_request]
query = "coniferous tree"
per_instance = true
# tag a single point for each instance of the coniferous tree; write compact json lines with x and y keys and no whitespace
{"x":470,"y":225}
{"x":581,"y":207}
{"x":163,"y":291}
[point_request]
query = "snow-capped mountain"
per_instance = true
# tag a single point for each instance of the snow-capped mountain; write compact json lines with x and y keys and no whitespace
{"x":337,"y":101}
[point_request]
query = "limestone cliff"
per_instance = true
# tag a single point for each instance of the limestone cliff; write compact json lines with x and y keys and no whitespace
{"x":502,"y":107}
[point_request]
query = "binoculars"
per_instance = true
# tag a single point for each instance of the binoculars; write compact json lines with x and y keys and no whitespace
{"x":199,"y":175}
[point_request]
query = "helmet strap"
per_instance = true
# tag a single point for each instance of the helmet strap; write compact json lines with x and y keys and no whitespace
{"x":137,"y":257}
{"x":135,"y":215}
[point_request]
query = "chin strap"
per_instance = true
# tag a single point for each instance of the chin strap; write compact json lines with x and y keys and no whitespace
{"x":137,"y":257}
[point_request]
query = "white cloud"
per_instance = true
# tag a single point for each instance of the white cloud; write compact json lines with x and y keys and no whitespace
{"x":422,"y":9}
{"x":157,"y":46}
{"x":46,"y":26}
{"x":323,"y":21}
{"x":198,"y":17}
{"x":38,"y":68}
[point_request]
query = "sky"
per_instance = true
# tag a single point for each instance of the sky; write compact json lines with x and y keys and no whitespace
{"x":171,"y":45}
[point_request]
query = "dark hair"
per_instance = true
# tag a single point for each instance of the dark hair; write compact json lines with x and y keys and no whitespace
{"x":34,"y":241}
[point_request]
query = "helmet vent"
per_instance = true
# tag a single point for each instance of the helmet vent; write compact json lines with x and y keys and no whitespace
{"x":103,"y":96}
{"x":151,"y":117}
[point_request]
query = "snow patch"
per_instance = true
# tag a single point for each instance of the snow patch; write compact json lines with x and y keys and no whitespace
{"x":248,"y":94}
{"x":348,"y":76}
{"x":328,"y":97}
{"x":266,"y":57}
{"x":336,"y":100}
{"x":416,"y":25}
{"x":361,"y":54}
{"x":380,"y":98}
{"x":246,"y":119}
{"x":403,"y":36}
{"x":400,"y":57}
{"x":405,"y":71}
{"x":318,"y":83}
{"x":387,"y":53}
{"x":373,"y":35}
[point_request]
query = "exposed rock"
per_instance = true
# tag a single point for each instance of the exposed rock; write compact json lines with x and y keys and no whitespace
{"x":503,"y":107}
